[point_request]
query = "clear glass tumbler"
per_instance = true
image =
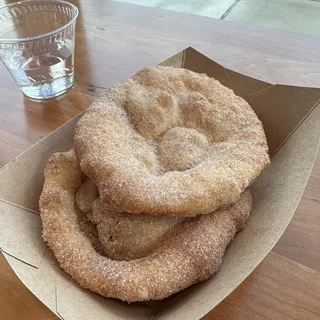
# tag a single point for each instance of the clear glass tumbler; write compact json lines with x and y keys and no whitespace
{"x":37,"y":45}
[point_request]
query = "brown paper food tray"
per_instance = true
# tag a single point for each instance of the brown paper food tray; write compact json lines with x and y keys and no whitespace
{"x":291,"y":118}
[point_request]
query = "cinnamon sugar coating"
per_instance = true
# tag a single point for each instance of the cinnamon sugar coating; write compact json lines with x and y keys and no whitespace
{"x":191,"y":253}
{"x":170,"y":141}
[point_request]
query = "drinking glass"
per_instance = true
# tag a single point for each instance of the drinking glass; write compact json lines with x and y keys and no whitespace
{"x":37,"y":39}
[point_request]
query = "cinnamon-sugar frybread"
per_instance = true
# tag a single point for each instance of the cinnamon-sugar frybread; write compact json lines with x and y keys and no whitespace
{"x":156,"y":186}
{"x":170,"y":141}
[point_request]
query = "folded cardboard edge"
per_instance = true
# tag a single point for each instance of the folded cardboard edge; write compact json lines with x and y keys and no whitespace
{"x":279,"y":124}
{"x":271,"y":102}
{"x":25,"y":243}
{"x":27,"y":274}
{"x":19,"y":292}
{"x":16,"y":180}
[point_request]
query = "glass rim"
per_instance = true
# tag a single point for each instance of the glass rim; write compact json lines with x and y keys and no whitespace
{"x":44,"y":35}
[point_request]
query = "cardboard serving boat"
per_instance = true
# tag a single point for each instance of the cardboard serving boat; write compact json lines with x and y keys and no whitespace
{"x":291,"y":118}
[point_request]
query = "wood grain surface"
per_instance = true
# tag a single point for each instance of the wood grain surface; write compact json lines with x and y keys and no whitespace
{"x":113,"y":41}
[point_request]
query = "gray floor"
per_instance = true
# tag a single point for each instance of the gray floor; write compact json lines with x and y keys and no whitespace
{"x":294,"y":15}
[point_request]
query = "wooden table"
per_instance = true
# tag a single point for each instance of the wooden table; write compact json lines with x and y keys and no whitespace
{"x":113,"y":41}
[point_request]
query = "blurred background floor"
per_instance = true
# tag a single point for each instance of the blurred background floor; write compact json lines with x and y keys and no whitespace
{"x":292,"y":15}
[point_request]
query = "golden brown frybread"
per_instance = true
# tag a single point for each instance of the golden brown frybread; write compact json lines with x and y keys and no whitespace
{"x":170,"y":141}
{"x":156,"y":185}
{"x":191,"y":252}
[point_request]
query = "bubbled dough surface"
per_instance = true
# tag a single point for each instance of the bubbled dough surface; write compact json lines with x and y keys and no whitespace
{"x":170,"y":141}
